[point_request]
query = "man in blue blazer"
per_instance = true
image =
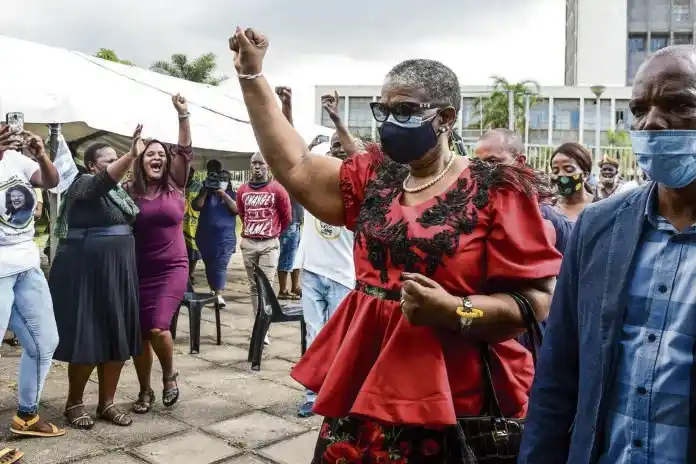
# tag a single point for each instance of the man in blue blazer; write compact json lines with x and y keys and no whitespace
{"x":616,"y":379}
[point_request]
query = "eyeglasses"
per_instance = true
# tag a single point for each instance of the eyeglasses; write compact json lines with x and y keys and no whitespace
{"x":402,"y":112}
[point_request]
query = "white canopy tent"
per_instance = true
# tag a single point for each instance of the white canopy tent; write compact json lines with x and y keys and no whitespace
{"x":95,"y":98}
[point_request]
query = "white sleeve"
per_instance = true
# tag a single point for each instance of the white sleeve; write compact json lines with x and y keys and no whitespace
{"x":299,"y":254}
{"x":26,"y":165}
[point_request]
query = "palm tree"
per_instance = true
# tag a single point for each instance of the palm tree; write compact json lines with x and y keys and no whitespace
{"x":199,"y":70}
{"x":110,"y":55}
{"x":495,"y":108}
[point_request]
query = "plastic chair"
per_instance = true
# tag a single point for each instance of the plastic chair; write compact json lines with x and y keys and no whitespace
{"x":268,"y":311}
{"x":195,"y":302}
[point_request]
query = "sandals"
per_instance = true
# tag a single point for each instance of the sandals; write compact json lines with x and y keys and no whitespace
{"x":82,"y":421}
{"x":144,"y":403}
{"x":170,"y":395}
{"x":10,"y":455}
{"x":284,"y":296}
{"x":116,"y":417}
{"x":24,"y":428}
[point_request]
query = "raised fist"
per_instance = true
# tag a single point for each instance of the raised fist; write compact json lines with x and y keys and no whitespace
{"x":249,"y":48}
{"x":285,"y":94}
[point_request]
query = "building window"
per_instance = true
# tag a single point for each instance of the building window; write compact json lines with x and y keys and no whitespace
{"x":566,"y":114}
{"x":637,"y":12}
{"x":360,"y":116}
{"x":682,"y":39}
{"x":659,"y":11}
{"x":658,"y":42}
{"x":326,"y":120}
{"x":539,"y":115}
{"x":637,"y":53}
{"x":623,"y":118}
{"x":681,"y":12}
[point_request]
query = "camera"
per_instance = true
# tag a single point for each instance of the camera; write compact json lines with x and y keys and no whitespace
{"x":217,"y":180}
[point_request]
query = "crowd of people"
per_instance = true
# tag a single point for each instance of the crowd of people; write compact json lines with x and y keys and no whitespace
{"x":427,"y":279}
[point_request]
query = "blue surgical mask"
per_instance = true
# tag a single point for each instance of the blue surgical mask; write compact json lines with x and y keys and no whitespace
{"x":409,"y":141}
{"x":667,"y":157}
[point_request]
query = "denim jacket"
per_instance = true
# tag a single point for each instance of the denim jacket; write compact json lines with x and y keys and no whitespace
{"x":568,"y":405}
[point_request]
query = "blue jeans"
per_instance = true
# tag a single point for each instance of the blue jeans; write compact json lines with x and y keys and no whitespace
{"x":320,"y":298}
{"x":26,"y":309}
{"x":289,"y":241}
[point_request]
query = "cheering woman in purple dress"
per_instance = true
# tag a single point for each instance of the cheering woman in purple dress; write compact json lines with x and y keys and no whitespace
{"x":158,"y":190}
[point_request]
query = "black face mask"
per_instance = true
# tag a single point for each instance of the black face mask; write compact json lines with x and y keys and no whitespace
{"x":406,"y":144}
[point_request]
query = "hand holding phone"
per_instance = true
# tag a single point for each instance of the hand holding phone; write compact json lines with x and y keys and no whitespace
{"x":15,"y":121}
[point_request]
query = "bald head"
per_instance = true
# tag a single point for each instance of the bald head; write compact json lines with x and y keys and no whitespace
{"x":501,"y":146}
{"x":664,"y":90}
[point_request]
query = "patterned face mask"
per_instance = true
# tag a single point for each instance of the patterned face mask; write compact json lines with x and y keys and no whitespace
{"x":568,"y":185}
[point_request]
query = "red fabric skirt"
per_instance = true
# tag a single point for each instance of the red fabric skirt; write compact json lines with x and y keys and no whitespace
{"x":370,"y":361}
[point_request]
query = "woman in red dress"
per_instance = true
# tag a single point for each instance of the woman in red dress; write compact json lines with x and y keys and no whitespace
{"x":396,"y":366}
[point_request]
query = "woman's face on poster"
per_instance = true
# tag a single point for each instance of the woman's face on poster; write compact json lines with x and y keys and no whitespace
{"x":17,"y":199}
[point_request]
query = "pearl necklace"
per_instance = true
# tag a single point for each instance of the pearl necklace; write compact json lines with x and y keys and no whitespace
{"x":431,"y":182}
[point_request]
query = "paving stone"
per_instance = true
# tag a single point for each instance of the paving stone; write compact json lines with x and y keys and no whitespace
{"x":247,"y":459}
{"x":257,"y":392}
{"x":225,"y":354}
{"x":8,"y":399}
{"x":145,"y":428}
{"x":298,"y":450}
{"x":276,"y":370}
{"x":282,"y":348}
{"x":255,"y":429}
{"x":205,"y":410}
{"x":217,"y":379}
{"x":288,"y":410}
{"x":193,"y":447}
{"x":112,"y":458}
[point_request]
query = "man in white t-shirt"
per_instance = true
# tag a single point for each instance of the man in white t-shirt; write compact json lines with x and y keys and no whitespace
{"x":25,"y":300}
{"x":325,"y":256}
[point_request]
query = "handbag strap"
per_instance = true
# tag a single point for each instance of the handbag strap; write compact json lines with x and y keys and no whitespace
{"x":530,"y":322}
{"x":491,"y":403}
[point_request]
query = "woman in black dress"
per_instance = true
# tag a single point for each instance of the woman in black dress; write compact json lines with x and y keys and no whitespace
{"x":94,"y":282}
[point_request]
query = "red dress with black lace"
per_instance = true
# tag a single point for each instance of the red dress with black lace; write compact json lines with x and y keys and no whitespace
{"x":373,"y":371}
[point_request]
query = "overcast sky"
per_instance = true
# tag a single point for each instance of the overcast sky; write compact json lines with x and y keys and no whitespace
{"x":313,"y":42}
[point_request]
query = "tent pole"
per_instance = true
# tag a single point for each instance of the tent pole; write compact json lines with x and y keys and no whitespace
{"x":54,"y":198}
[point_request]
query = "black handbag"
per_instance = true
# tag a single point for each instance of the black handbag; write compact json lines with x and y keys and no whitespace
{"x":491,"y":437}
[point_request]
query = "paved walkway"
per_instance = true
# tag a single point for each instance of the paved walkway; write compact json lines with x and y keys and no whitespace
{"x":226,"y":414}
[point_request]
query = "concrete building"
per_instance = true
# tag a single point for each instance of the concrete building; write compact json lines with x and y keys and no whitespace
{"x":607,"y":40}
{"x":556,"y":117}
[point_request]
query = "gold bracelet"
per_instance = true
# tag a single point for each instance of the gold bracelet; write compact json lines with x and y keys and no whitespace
{"x":469,"y":313}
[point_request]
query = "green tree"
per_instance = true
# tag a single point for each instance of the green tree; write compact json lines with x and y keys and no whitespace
{"x":494,"y":108}
{"x":110,"y":55}
{"x":618,"y":138}
{"x":200,"y":69}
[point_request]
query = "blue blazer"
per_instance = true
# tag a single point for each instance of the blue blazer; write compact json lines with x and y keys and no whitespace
{"x":568,"y":404}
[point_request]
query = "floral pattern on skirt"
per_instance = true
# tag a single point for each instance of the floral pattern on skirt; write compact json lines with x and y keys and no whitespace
{"x":353,"y":440}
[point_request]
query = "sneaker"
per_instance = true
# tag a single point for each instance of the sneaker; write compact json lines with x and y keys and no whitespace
{"x":267,"y":340}
{"x":305,"y":410}
{"x":221,"y":301}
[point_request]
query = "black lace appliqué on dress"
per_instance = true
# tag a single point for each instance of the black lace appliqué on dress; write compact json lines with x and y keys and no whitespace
{"x":388,"y":244}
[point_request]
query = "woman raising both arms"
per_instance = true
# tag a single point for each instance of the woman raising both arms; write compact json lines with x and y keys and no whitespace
{"x":439,"y":239}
